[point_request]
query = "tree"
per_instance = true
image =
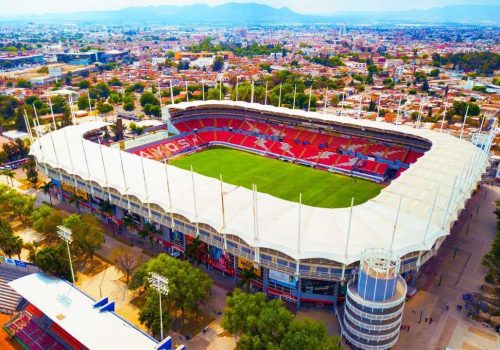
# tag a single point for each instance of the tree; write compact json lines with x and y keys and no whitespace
{"x":99,"y":91}
{"x":46,"y":190}
{"x":108,"y":210}
{"x":31,"y":172}
{"x":104,"y":107}
{"x":492,"y":259}
{"x":425,"y":85}
{"x":128,"y":103}
{"x":84,"y":84}
{"x":114,"y":98}
{"x":308,"y":334}
{"x":54,"y":261}
{"x":115,"y":82}
{"x":262,"y":324}
{"x":88,"y":234}
{"x":148,"y":98}
{"x":218,"y":64}
{"x":22,"y":83}
{"x":10,"y":244}
{"x":188,"y":287}
{"x":83,"y":102}
{"x":45,"y":220}
{"x":32,"y":248}
{"x":126,"y":261}
{"x":434,"y":73}
{"x":334,"y":101}
{"x":22,"y":206}
{"x":246,"y":275}
{"x":9,"y":174}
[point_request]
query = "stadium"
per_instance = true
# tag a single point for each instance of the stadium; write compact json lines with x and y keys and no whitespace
{"x":302,"y":198}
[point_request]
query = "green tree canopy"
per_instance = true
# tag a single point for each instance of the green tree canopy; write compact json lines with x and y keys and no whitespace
{"x":262,"y":325}
{"x":54,"y":261}
{"x":188,"y":287}
{"x":88,"y":234}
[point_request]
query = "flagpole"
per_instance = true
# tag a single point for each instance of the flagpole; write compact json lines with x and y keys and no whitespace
{"x":36,"y":121}
{"x":194,"y":201}
{"x":360,"y":102}
{"x":90,"y":105}
{"x":279,"y":100}
{"x":294,"y":94}
{"x":28,"y":126}
{"x":378,"y":108}
{"x":399,"y":109}
{"x":237,"y":80}
{"x":309,"y":103}
{"x":396,"y":222}
{"x":463,"y":124}
{"x":347,"y":238}
{"x":203,"y":89}
{"x":223,"y":228}
{"x":171,"y":93}
{"x":444,"y":115}
{"x":169,"y":196}
{"x":343,"y":102}
{"x":252,"y":91}
{"x":265,"y":100}
{"x":52,"y":114}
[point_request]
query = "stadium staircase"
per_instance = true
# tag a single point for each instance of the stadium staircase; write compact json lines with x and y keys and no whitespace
{"x":9,"y":299}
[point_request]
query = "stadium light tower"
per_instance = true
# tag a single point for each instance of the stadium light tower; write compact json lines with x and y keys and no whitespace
{"x":159,"y":283}
{"x":66,"y":235}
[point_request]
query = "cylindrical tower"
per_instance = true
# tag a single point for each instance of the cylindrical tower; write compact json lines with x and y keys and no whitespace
{"x":374,"y":302}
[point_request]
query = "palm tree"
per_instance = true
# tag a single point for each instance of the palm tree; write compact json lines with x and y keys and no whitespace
{"x":128,"y":221}
{"x":246,"y":275}
{"x":46,"y":190}
{"x":9,"y":174}
{"x":75,"y":199}
{"x":192,"y":250}
{"x":107,"y":209}
{"x":32,"y":248}
{"x":148,"y":229}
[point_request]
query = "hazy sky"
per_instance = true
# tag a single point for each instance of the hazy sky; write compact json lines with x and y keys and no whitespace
{"x":15,"y":7}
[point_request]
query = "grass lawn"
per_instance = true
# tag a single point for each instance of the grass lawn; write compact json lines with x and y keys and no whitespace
{"x":280,"y":179}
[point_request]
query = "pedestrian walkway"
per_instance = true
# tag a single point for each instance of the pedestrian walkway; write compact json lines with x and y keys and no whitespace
{"x":456,"y":269}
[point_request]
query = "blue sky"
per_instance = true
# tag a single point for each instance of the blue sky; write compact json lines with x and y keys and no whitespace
{"x":16,"y":7}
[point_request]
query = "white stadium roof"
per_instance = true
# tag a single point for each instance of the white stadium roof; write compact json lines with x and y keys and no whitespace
{"x":74,"y":312}
{"x":441,"y":180}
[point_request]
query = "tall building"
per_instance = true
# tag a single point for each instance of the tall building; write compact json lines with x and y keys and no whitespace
{"x":374,"y":302}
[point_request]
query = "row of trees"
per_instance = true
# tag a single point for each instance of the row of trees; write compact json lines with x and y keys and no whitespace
{"x":484,"y":62}
{"x":492,"y":259}
{"x":262,"y":325}
{"x":88,"y":233}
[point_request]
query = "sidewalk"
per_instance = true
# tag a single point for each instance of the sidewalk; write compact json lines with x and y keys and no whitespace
{"x":457,"y":269}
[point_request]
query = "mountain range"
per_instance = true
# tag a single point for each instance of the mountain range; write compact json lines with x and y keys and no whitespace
{"x":258,"y":14}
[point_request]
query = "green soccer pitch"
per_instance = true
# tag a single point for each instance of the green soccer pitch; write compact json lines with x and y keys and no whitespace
{"x":280,"y":179}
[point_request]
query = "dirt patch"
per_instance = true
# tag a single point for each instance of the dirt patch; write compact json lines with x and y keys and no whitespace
{"x":94,"y":267}
{"x":193,"y":324}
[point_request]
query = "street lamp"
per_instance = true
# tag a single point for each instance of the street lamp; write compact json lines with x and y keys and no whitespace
{"x":66,"y":235}
{"x":159,"y":283}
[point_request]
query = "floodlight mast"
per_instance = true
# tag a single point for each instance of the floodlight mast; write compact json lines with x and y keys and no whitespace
{"x":159,"y":283}
{"x":67,"y":235}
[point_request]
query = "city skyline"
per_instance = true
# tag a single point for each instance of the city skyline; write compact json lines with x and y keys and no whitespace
{"x":26,"y":7}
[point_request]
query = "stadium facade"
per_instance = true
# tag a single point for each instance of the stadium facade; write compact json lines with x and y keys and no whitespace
{"x":299,"y":253}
